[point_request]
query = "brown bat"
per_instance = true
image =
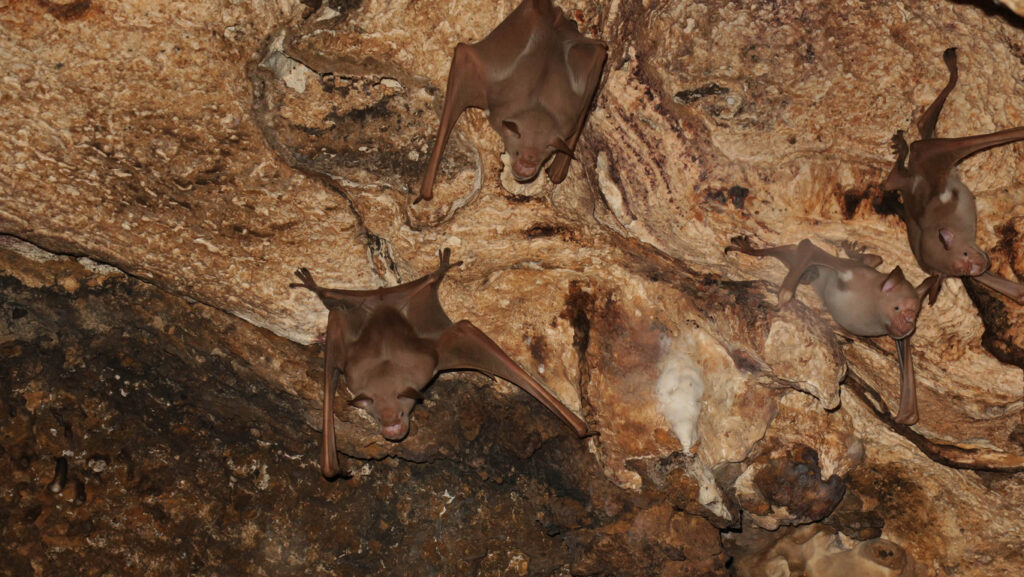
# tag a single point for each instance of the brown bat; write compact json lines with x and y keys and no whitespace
{"x":536,"y":76}
{"x":863,"y":301}
{"x":389,"y":343}
{"x":940,"y":212}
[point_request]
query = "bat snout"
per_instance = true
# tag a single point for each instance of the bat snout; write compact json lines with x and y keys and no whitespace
{"x":977,"y":268}
{"x":395,"y":432}
{"x":525,"y":170}
{"x":971,"y":264}
{"x":903,"y":325}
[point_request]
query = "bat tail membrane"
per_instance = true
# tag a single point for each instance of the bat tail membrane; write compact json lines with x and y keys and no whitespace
{"x":463,"y":346}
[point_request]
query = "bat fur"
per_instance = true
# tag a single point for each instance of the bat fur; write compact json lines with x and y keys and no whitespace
{"x":862,"y":300}
{"x":388,"y":344}
{"x":536,"y":76}
{"x":940,"y":210}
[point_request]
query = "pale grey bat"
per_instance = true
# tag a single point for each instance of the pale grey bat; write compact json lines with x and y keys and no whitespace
{"x":388,"y":344}
{"x":536,"y":76}
{"x":940,"y":211}
{"x":862,"y":300}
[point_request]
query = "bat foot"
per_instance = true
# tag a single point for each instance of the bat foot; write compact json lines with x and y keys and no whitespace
{"x":899,"y":144}
{"x":741,"y":244}
{"x":307,"y":280}
{"x":445,"y":256}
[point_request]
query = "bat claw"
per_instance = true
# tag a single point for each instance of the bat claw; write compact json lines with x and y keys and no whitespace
{"x":899,"y":144}
{"x":445,"y":256}
{"x":740,"y":243}
{"x":307,"y":280}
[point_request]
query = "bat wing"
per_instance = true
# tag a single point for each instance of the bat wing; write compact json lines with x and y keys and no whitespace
{"x":465,"y":90}
{"x":418,"y":301}
{"x":336,"y":347}
{"x":806,"y":256}
{"x":463,"y":346}
{"x":926,"y":125}
{"x":907,"y":414}
{"x":934,"y":158}
{"x":585,"y":60}
{"x":1003,"y":286}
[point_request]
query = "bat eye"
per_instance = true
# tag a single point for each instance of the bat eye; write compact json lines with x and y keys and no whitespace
{"x":361,"y":401}
{"x":411,"y":393}
{"x":510,"y":126}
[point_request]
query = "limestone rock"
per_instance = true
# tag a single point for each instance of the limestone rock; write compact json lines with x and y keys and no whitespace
{"x":207,"y":150}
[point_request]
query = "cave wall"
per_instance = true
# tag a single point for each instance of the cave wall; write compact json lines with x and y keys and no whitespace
{"x":207,"y":150}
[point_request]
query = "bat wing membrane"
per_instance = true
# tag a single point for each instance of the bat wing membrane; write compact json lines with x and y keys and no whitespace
{"x":463,"y":346}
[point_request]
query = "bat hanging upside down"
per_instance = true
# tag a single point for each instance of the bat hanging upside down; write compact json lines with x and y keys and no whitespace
{"x":536,"y":76}
{"x":940,"y":211}
{"x":863,"y":301}
{"x":388,"y":344}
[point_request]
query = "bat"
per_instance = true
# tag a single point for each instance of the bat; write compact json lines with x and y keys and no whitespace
{"x":940,"y":213}
{"x":862,"y":300}
{"x":536,"y":76}
{"x":388,"y":344}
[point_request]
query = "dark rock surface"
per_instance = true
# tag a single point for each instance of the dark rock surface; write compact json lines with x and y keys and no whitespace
{"x":185,"y":459}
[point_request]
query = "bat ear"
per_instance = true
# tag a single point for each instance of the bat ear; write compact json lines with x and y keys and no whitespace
{"x":561,"y":146}
{"x":894,"y":279}
{"x":946,"y":237}
{"x":411,"y":393}
{"x":361,"y":401}
{"x":511,"y":127}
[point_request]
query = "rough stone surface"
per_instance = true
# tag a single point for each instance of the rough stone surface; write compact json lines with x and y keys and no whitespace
{"x":208,"y":149}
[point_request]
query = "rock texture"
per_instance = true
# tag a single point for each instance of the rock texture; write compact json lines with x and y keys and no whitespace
{"x":203,"y":151}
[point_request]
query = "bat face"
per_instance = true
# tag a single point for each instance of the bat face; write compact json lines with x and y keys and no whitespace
{"x":900,"y":303}
{"x":958,"y":255}
{"x":389,"y":391}
{"x":390,"y":412}
{"x":530,"y":140}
